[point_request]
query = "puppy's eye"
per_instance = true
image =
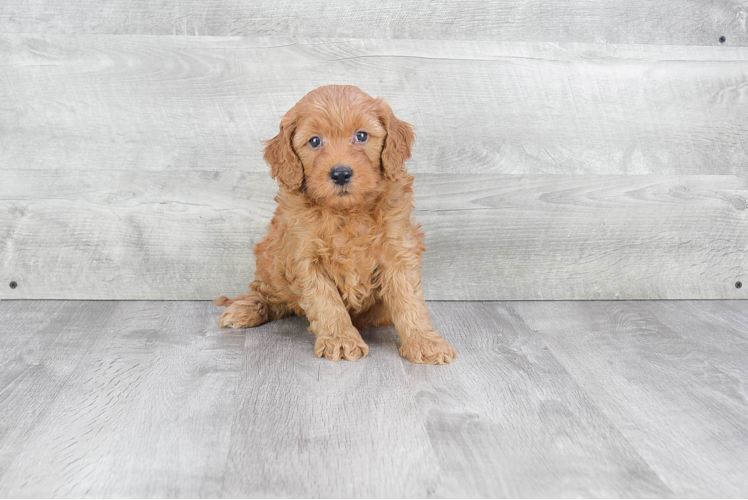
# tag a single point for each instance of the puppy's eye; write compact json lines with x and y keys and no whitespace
{"x":315,"y":142}
{"x":361,"y":136}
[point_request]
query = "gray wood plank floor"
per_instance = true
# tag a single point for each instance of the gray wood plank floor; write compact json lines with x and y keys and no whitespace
{"x":559,"y":399}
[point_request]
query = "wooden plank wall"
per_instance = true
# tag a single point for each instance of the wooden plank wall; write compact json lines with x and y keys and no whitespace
{"x":576,"y":149}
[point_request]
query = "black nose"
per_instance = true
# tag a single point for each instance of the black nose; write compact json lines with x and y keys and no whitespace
{"x":341,"y":175}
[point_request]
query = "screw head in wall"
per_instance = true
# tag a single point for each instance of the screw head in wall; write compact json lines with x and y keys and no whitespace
{"x":13,"y":285}
{"x":738,"y":284}
{"x":722,"y":39}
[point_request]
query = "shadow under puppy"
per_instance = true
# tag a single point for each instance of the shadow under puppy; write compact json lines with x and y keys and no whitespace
{"x":342,"y":248}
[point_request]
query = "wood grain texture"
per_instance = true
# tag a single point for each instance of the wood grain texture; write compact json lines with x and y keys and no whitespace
{"x":131,"y":234}
{"x":156,"y":235}
{"x":308,"y":427}
{"x":604,"y":237}
{"x":562,"y":399}
{"x":41,"y":347}
{"x":146,"y":413}
{"x":132,"y":164}
{"x":178,"y":103}
{"x":507,"y":420}
{"x":699,"y":22}
{"x":673,"y":397}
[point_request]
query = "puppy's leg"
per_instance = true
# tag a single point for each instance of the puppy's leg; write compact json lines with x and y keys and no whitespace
{"x":249,"y":310}
{"x":375,"y":317}
{"x":403,"y":296}
{"x":329,"y":320}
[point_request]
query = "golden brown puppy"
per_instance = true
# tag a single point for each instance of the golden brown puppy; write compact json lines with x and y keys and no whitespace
{"x":342,"y":248}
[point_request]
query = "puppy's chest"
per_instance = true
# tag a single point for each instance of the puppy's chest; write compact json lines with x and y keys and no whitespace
{"x":351,"y":256}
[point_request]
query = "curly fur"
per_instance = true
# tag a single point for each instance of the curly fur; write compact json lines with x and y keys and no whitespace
{"x":347,"y":257}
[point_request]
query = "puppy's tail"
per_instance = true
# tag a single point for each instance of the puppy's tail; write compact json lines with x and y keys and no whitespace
{"x":224,"y":301}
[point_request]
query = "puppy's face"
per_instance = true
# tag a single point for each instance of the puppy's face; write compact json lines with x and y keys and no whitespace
{"x":339,"y":143}
{"x":339,"y":146}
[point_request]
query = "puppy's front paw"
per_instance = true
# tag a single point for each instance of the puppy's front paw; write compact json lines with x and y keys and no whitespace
{"x":432,"y":350}
{"x":337,"y":348}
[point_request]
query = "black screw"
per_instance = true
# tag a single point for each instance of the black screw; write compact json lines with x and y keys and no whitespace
{"x":13,"y":285}
{"x":722,"y":39}
{"x":738,"y":284}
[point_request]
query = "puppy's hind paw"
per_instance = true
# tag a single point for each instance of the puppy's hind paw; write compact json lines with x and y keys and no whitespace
{"x":244,"y":314}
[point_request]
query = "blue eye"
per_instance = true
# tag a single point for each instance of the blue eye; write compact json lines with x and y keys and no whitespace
{"x":361,"y":136}
{"x":315,"y":142}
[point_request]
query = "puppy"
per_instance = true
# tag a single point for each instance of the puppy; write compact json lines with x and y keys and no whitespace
{"x":342,"y":248}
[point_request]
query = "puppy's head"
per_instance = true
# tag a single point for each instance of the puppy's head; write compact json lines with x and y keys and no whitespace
{"x":339,"y":146}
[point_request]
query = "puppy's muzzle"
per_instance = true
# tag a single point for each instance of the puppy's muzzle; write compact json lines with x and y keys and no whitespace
{"x":341,"y":174}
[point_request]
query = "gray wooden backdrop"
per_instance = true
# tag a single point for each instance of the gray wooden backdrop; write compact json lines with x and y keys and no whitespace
{"x":575,"y":149}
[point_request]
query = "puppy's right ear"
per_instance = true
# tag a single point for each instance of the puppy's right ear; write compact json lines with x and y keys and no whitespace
{"x":285,"y":165}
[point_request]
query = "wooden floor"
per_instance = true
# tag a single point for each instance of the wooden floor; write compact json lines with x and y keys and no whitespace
{"x":546,"y":399}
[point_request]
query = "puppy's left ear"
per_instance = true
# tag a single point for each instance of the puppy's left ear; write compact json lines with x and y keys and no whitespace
{"x":397,"y":143}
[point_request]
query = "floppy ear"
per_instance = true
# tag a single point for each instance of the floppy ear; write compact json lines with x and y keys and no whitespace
{"x":397,"y":143}
{"x":285,"y":165}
